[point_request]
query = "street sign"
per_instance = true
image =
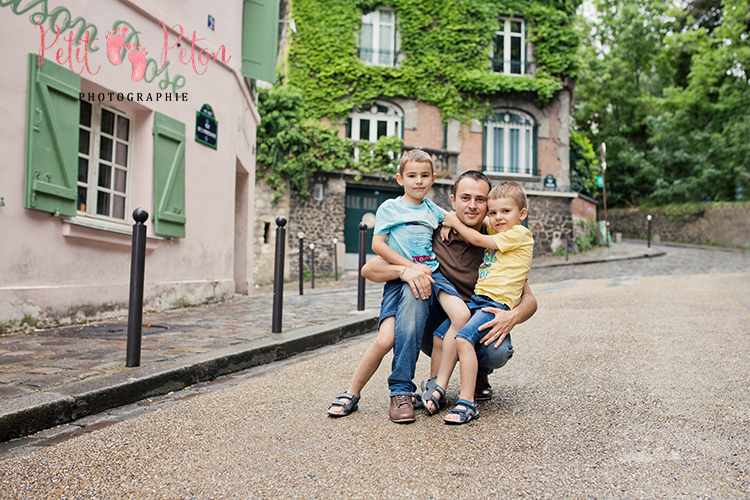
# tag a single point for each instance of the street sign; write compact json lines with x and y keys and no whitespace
{"x":599,"y":181}
{"x":550,"y":181}
{"x":206,"y":127}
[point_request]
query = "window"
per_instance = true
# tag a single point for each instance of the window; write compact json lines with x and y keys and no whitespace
{"x":377,"y":43}
{"x":509,"y":48}
{"x":373,"y":121}
{"x":104,"y":150}
{"x":510,"y":143}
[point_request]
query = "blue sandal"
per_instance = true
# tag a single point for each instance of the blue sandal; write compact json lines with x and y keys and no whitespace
{"x":467,"y":413}
{"x":346,"y":408}
{"x":428,"y":394}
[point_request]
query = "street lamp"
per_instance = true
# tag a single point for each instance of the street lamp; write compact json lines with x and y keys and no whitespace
{"x":604,"y":192}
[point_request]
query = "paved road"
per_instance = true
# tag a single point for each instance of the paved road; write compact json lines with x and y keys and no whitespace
{"x":631,"y":381}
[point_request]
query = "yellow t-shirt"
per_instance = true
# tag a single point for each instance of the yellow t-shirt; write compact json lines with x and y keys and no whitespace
{"x":503,"y":272}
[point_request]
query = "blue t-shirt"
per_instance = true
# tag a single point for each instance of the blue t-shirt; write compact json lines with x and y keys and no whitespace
{"x":409,"y":228}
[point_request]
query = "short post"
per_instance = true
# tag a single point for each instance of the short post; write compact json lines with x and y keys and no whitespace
{"x":648,"y":218}
{"x":278,"y":275}
{"x":301,"y":237}
{"x":312,"y":265}
{"x":566,"y":247}
{"x":362,"y":253}
{"x":137,"y":275}
{"x":335,"y":260}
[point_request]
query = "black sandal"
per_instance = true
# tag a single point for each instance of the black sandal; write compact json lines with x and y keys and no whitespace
{"x":346,"y":408}
{"x":428,"y":394}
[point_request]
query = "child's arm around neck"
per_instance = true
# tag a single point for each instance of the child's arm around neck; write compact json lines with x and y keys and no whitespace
{"x":469,"y":234}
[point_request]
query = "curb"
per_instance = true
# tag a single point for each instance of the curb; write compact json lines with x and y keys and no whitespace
{"x":27,"y":415}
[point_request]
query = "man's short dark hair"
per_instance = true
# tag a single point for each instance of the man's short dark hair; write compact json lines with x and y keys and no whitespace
{"x":471,"y":174}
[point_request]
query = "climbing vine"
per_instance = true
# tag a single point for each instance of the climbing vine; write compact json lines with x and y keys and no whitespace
{"x":443,"y":60}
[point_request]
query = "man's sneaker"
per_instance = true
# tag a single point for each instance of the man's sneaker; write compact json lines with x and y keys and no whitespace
{"x":483,"y":389}
{"x":402,"y":409}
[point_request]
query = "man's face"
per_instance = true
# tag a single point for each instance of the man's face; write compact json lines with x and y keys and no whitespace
{"x":470,"y":202}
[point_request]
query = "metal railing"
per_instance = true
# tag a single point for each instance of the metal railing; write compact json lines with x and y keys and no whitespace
{"x":377,"y":57}
{"x":516,"y":67}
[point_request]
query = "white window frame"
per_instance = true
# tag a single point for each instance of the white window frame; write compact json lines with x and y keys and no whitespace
{"x":375,"y":57}
{"x":89,"y":212}
{"x":504,"y":122}
{"x":505,"y":31}
{"x":378,"y":111}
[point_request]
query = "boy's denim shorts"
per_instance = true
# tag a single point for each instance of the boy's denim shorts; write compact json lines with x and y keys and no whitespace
{"x":471,"y":331}
{"x":393,"y":289}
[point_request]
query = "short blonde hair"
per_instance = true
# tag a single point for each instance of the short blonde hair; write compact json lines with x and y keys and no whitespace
{"x":415,"y":155}
{"x":512,"y":190}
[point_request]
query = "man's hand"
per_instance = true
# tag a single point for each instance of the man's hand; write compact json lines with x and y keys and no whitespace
{"x":419,"y":278}
{"x":499,"y":327}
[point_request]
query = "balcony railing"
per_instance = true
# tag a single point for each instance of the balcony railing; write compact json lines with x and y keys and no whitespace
{"x":377,"y":57}
{"x":516,"y":67}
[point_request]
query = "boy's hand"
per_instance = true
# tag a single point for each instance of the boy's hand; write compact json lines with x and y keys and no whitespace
{"x":419,"y":281}
{"x":500,"y":327}
{"x":451,"y":219}
{"x":444,"y":232}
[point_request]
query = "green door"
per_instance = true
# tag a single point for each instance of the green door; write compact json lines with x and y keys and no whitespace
{"x":361,"y":203}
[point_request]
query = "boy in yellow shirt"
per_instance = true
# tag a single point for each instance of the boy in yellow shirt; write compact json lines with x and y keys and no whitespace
{"x":507,"y":260}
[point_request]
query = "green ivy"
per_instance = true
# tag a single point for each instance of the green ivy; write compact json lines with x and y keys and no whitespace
{"x":446,"y":44}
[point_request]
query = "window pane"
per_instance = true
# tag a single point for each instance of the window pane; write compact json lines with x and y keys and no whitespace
{"x":364,"y":129}
{"x":497,"y":160}
{"x":85,"y":114}
{"x":366,"y":37}
{"x":83,"y":141}
{"x":121,"y":156}
{"x":527,"y":149}
{"x":515,"y":135}
{"x":386,"y":17}
{"x":499,"y":54}
{"x":105,"y":148}
{"x":118,"y":208}
{"x":515,"y":55}
{"x":397,"y":134}
{"x":123,"y":128}
{"x":102,"y":203}
{"x":108,"y":122}
{"x":386,"y":38}
{"x":104,"y":175}
{"x":515,"y":26}
{"x":120,"y":176}
{"x":83,"y":170}
{"x":382,"y":128}
{"x":81,"y":199}
{"x":348,"y":128}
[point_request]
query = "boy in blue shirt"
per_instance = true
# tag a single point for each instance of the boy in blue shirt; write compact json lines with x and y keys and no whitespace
{"x":403,"y":236}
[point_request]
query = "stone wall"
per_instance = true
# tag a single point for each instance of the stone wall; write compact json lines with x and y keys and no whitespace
{"x":264,"y":244}
{"x":726,"y":225}
{"x":549,"y":220}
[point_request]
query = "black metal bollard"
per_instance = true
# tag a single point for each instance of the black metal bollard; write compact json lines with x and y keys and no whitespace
{"x":301,"y":237}
{"x":278,"y":275}
{"x":648,"y":218}
{"x":566,"y":247}
{"x":137,"y":275}
{"x":312,"y":265}
{"x":362,"y":254}
{"x":335,"y":261}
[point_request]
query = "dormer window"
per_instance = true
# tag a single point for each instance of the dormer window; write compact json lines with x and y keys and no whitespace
{"x":509,"y":48}
{"x":377,"y":42}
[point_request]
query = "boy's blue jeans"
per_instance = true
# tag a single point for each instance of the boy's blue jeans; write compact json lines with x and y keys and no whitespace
{"x":416,"y":320}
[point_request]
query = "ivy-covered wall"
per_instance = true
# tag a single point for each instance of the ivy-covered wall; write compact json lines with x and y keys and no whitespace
{"x":445,"y":47}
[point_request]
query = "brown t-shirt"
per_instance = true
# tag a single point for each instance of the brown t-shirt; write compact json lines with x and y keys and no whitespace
{"x":459,"y":261}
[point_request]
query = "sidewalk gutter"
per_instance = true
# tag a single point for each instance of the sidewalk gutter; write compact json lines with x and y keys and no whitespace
{"x":29,"y":414}
{"x":645,"y":255}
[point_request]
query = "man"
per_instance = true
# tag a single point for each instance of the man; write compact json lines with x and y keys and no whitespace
{"x":459,"y":262}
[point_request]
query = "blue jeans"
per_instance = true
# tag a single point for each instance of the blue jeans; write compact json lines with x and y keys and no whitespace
{"x":411,"y":316}
{"x":488,"y":357}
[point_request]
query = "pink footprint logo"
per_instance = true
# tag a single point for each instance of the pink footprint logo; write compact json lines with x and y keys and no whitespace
{"x":115,"y":39}
{"x":137,"y":57}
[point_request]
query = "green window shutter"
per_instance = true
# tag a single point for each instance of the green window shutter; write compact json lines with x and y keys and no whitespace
{"x":52,"y":138}
{"x":260,"y":39}
{"x":169,"y":176}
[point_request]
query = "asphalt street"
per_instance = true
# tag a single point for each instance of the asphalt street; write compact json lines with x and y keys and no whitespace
{"x":631,"y":381}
